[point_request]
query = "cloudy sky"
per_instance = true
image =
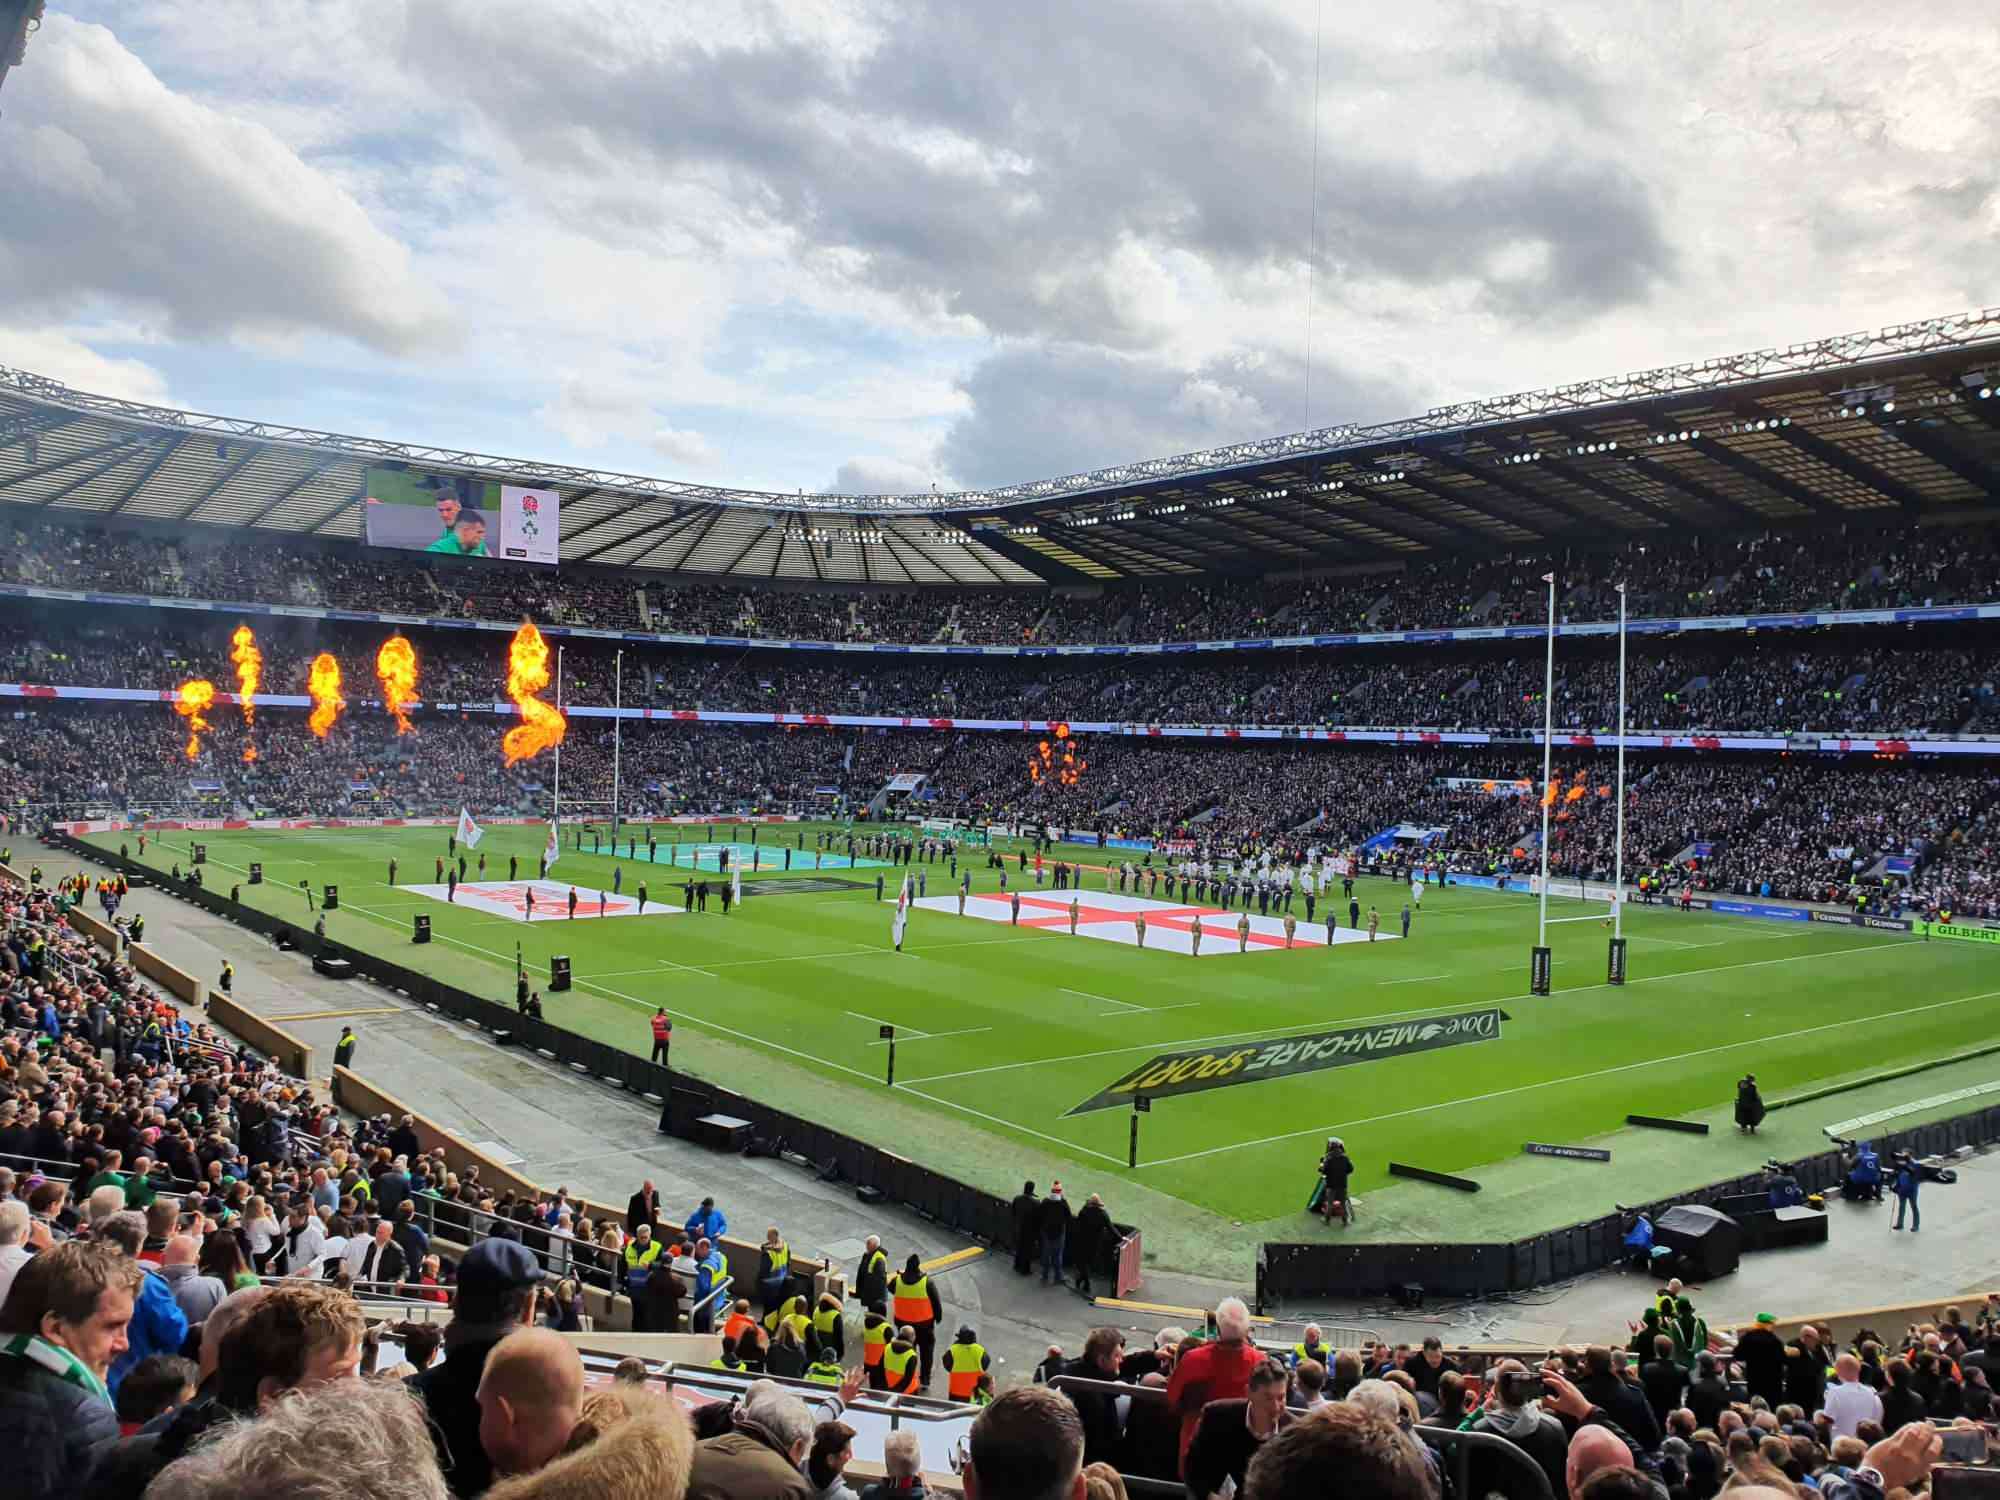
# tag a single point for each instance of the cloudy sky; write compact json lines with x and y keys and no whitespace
{"x":833,"y":243}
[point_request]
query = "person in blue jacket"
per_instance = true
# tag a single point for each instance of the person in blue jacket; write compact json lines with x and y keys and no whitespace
{"x":706,"y":1222}
{"x":1906,"y":1192}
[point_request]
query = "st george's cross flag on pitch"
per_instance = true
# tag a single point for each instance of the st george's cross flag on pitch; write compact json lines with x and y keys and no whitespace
{"x":902,"y":918}
{"x":554,"y":848}
{"x":469,"y":832}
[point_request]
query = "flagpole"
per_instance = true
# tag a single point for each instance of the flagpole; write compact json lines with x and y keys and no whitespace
{"x":556,"y":820}
{"x":1618,"y":858}
{"x":1548,"y":753}
{"x":617,"y":736}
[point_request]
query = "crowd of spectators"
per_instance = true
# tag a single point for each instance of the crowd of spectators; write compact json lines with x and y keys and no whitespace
{"x":1677,"y":1410}
{"x":1767,"y":573}
{"x":1835,"y":682}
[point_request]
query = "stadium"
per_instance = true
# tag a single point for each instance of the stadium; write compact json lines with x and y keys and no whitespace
{"x":1471,"y":857}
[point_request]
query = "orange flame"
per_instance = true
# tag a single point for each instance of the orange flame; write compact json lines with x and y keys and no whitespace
{"x":541,"y":726}
{"x":191,"y":703}
{"x":324,"y":686}
{"x":396,"y":669}
{"x":249,"y":672}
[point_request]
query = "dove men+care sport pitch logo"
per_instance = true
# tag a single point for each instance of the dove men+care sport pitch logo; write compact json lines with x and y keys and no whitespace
{"x":1191,"y":1072}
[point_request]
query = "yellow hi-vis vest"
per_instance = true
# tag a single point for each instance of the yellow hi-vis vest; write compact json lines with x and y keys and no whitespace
{"x":901,"y":1368}
{"x":823,"y":1320}
{"x":875,"y":1335}
{"x":910,"y":1301}
{"x":780,"y":1256}
{"x":824,"y":1372}
{"x":963,"y":1365}
{"x":785,"y":1311}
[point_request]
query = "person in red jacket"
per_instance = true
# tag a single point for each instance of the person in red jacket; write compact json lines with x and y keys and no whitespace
{"x":1216,"y":1371}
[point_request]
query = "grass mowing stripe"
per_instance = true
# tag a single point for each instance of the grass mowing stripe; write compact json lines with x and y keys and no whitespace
{"x":1652,"y":1062}
{"x":1271,"y":1035}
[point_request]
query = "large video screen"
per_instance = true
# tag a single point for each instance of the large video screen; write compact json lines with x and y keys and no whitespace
{"x":456,"y":516}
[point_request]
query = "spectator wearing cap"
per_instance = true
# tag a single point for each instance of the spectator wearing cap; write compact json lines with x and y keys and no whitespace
{"x":497,"y":1285}
{"x":1762,"y":1354}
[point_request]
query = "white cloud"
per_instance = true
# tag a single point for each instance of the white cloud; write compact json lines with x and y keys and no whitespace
{"x":686,"y":447}
{"x":56,"y":354}
{"x":877,"y":475}
{"x":122,"y":191}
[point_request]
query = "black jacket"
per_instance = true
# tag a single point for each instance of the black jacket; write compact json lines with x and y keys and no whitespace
{"x":1099,"y":1413}
{"x":1707,"y":1399}
{"x":449,"y":1390}
{"x":1026,"y":1215}
{"x":1661,"y":1379}
{"x":48,"y":1428}
{"x":1092,"y":1234}
{"x":1053,"y":1217}
{"x":1625,"y":1405}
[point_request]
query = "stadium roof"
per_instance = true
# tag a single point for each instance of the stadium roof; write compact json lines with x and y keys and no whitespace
{"x":1895,"y":427}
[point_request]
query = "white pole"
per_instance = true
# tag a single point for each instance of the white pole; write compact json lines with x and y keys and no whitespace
{"x":557,"y":819}
{"x":1618,"y":858}
{"x":617,"y":737}
{"x":1548,"y":751}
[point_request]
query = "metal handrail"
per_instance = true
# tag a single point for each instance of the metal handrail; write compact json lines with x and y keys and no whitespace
{"x":720,"y":1289}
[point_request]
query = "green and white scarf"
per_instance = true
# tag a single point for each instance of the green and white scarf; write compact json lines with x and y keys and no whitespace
{"x":57,"y":1360}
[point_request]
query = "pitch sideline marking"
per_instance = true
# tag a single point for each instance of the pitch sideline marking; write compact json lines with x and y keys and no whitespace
{"x":1651,"y":1062}
{"x":1122,"y":1004}
{"x":915,"y":1032}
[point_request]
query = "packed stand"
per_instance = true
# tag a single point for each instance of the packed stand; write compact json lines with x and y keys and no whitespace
{"x":1769,"y":573}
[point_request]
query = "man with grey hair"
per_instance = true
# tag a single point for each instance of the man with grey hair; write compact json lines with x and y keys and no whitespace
{"x":759,"y":1459}
{"x":158,"y":1324}
{"x":1215,"y":1371}
{"x":21,"y":1238}
{"x":1027,"y":1445}
{"x":102,"y":1203}
{"x":353,"y":1440}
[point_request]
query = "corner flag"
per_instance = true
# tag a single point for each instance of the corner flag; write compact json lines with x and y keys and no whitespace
{"x":469,"y":832}
{"x":555,"y":847}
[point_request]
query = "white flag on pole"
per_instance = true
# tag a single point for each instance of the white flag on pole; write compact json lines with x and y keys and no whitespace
{"x":469,"y":832}
{"x":736,"y":884}
{"x":554,"y":848}
{"x":902,"y":918}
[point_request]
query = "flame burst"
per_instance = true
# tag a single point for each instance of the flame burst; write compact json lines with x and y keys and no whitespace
{"x":528,"y":674}
{"x":249,"y":672}
{"x":194,"y":700}
{"x":396,"y":669}
{"x":324,"y":686}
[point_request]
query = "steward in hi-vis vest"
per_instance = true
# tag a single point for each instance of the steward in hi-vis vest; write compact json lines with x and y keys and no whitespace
{"x":964,"y":1362}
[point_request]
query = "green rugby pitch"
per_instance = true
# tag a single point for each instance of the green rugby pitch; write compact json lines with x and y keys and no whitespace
{"x":1002,"y":1031}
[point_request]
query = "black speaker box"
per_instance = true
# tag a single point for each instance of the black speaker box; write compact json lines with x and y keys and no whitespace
{"x":333,"y":968}
{"x":869,"y":1193}
{"x":1708,"y":1242}
{"x":420,"y":931}
{"x":559,"y":971}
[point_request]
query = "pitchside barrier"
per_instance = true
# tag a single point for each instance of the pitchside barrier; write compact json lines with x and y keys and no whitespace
{"x":968,"y":1211}
{"x":1368,"y":1271}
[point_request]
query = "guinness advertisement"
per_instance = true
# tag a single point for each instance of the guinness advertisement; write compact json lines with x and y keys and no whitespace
{"x":1195,"y":1071}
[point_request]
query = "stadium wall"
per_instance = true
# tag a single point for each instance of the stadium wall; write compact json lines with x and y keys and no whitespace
{"x":291,"y":1054}
{"x":1298,"y":1270}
